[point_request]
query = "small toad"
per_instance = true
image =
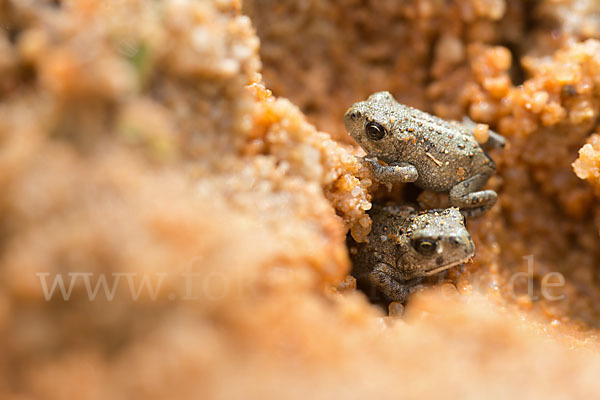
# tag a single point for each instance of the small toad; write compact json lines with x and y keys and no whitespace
{"x":417,"y":147}
{"x":406,"y":246}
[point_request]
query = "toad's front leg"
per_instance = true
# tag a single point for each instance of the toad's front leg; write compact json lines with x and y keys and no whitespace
{"x":472,"y":201}
{"x":394,"y":173}
{"x":381,"y":278}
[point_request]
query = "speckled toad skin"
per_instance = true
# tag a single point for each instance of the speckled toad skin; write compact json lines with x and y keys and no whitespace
{"x":405,"y":245}
{"x":418,"y":147}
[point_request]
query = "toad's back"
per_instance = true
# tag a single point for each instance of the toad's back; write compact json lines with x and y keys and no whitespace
{"x":444,"y":153}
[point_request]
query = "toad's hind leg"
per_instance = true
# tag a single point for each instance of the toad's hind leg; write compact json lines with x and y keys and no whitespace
{"x":472,"y":201}
{"x":495,"y":140}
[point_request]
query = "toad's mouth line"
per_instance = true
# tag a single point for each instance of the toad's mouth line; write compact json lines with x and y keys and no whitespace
{"x":445,"y":267}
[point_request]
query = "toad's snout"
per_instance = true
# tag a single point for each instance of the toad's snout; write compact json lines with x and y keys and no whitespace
{"x":462,"y":242}
{"x":351,"y":116}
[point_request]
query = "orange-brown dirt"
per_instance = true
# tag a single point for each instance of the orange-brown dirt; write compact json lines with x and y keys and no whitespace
{"x":142,"y":139}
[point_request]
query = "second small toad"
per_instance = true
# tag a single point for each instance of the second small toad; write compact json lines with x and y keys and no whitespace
{"x":405,"y":246}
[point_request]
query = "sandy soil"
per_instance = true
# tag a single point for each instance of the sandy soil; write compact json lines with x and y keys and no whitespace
{"x":143,"y":142}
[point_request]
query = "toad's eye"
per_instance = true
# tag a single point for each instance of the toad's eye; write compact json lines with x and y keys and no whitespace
{"x":375,"y":131}
{"x":425,"y":247}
